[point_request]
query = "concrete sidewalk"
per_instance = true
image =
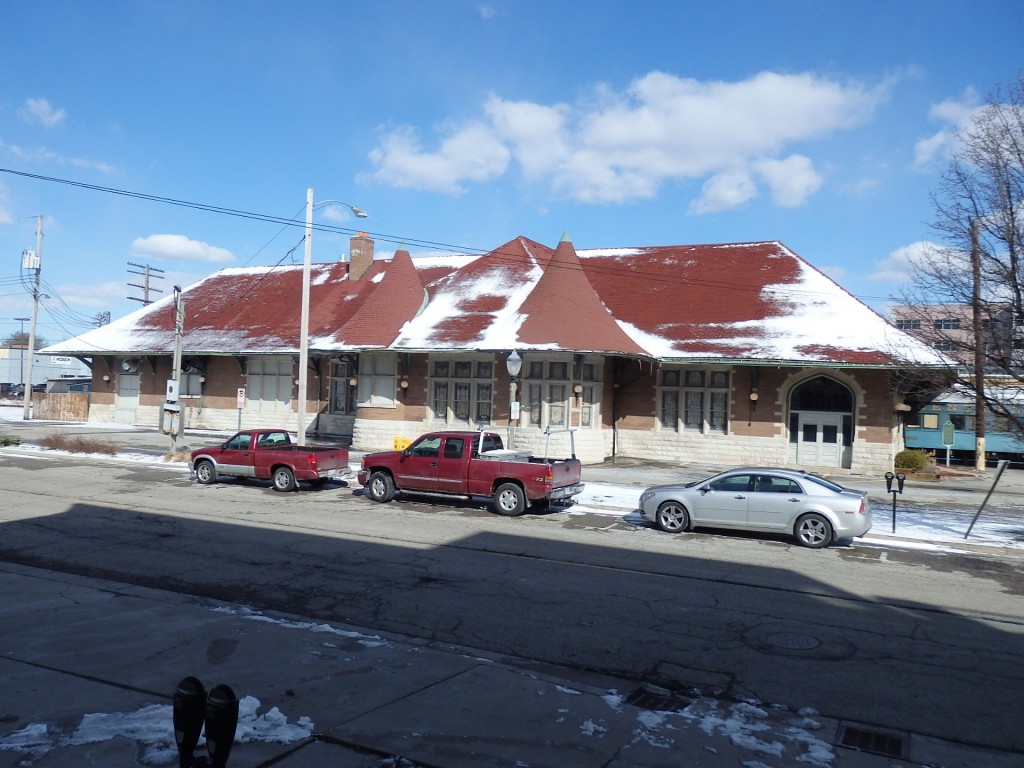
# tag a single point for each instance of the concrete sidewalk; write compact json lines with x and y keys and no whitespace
{"x":90,"y":668}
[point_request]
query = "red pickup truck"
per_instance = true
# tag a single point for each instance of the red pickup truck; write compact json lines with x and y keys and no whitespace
{"x":469,"y":464}
{"x":268,"y":454}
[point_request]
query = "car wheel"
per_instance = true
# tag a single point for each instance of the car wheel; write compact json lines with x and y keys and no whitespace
{"x":814,"y":531}
{"x":509,"y":500}
{"x":284,"y":480}
{"x":672,"y":517}
{"x":205,"y":472}
{"x":380,"y":487}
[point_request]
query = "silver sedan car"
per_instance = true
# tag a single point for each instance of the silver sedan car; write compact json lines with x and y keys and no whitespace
{"x":814,"y":510}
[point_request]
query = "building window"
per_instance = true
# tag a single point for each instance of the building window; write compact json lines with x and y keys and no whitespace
{"x":944,"y":346}
{"x":947,"y":324}
{"x":908,"y":325}
{"x":343,"y":394}
{"x":269,"y":384}
{"x":549,"y":394}
{"x":462,"y":390}
{"x":693,"y":400}
{"x":377,"y":379}
{"x":190,"y":385}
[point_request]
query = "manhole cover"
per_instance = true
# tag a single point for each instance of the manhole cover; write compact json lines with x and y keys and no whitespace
{"x":793,"y":641}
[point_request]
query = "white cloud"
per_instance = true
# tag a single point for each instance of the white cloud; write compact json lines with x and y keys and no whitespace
{"x":791,"y":181}
{"x":486,"y":12}
{"x":41,"y":112}
{"x":469,"y":153}
{"x":955,"y":114}
{"x":723,"y":191}
{"x":898,"y":266}
{"x":616,"y":146}
{"x":44,"y":155}
{"x":178,"y":247}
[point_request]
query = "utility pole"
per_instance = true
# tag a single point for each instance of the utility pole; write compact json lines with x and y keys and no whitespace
{"x":24,"y":344}
{"x":30,"y":260}
{"x":979,"y":351}
{"x":148,"y":273}
{"x":173,"y":404}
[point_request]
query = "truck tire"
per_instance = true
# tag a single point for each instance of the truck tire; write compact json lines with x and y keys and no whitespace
{"x":206,"y":473}
{"x":380,"y":487}
{"x":284,"y":480}
{"x":509,"y":500}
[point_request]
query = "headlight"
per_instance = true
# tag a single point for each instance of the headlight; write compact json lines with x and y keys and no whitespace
{"x":647,"y":496}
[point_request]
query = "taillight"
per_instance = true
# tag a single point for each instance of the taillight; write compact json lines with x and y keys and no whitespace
{"x":549,"y":476}
{"x":312,"y":461}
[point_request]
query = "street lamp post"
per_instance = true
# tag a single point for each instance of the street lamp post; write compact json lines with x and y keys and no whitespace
{"x":304,"y":314}
{"x":514,"y":364}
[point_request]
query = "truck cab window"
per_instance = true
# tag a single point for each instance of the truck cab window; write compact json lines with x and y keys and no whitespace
{"x":430,"y":446}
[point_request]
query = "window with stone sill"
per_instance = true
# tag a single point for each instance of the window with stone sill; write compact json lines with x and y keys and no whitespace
{"x":269,"y":384}
{"x":549,"y":397}
{"x":462,"y":390}
{"x":693,"y":400}
{"x":377,"y":384}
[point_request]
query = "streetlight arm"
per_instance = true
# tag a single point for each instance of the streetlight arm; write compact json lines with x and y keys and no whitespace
{"x":358,"y":212}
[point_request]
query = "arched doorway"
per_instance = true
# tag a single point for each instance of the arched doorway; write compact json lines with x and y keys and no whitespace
{"x":821,"y":423}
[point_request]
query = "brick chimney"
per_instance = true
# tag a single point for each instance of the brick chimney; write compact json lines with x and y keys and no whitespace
{"x":360,"y":255}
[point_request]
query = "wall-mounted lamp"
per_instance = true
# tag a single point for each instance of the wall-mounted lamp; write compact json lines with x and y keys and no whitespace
{"x":353,"y":381}
{"x":106,"y":377}
{"x":202,"y":379}
{"x":404,"y":384}
{"x":753,"y":397}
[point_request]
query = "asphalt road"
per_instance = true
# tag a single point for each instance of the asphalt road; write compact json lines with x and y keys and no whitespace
{"x":918,"y":641}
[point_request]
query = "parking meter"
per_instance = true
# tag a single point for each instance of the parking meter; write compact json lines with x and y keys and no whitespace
{"x":900,"y":478}
{"x":189,"y":710}
{"x":221,"y":722}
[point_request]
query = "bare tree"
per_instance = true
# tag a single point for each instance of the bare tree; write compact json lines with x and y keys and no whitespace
{"x":19,"y":340}
{"x":979,"y":218}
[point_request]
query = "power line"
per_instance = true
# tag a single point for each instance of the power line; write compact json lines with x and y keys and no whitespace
{"x":396,"y":240}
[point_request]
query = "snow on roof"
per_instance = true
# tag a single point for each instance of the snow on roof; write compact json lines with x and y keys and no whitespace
{"x":751,"y":302}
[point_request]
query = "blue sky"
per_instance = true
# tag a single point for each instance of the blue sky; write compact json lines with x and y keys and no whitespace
{"x":463,"y":124}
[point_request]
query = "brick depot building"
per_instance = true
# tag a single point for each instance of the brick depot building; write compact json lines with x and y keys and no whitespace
{"x":738,"y":353}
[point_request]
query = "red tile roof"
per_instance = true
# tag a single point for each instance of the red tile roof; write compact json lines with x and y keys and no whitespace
{"x":756,"y":302}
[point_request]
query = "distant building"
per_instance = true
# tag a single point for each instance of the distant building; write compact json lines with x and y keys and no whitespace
{"x":735,"y":353}
{"x":14,"y":367}
{"x":949,"y":329}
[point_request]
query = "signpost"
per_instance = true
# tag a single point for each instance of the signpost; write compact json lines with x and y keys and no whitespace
{"x":947,"y":437}
{"x":240,"y":404}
